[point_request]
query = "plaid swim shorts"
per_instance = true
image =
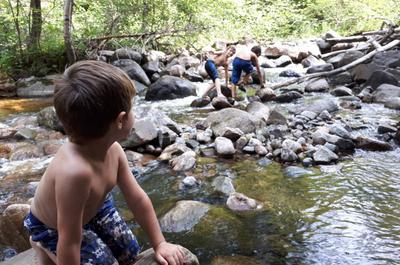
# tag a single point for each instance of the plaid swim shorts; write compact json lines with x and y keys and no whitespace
{"x":106,"y":239}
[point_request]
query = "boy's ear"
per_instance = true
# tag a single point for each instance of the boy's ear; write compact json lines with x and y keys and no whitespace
{"x":120,"y":118}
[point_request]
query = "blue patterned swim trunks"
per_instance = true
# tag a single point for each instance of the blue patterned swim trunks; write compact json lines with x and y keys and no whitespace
{"x":106,"y":239}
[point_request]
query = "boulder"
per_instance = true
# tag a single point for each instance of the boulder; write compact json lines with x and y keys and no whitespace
{"x":126,"y":53}
{"x":320,"y":68}
{"x":223,"y":185}
{"x":343,"y":78}
{"x":224,"y":147}
{"x":258,"y":110}
{"x":147,"y":257}
{"x":38,"y":89}
{"x":240,"y":202}
{"x":176,"y":70}
{"x":232,"y":134}
{"x":12,"y":231}
{"x":47,"y":117}
{"x":317,"y":85}
{"x":173,"y":150}
{"x":144,"y":131}
{"x":184,"y":216}
{"x":324,"y":156}
{"x":184,"y":162}
{"x":386,"y":92}
{"x":342,"y":91}
{"x":200,"y":102}
{"x":380,"y":77}
{"x":220,"y":103}
{"x":152,"y":67}
{"x":135,"y":72}
{"x":170,"y":87}
{"x":321,"y":105}
{"x":370,"y":144}
{"x":266,"y":94}
{"x":193,"y":76}
{"x":288,"y":97}
{"x":232,"y":118}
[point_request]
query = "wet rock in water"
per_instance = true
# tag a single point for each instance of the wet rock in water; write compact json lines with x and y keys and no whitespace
{"x":223,"y":185}
{"x":324,"y":156}
{"x":397,"y":136}
{"x":258,"y":110}
{"x":289,"y":73}
{"x":317,"y":85}
{"x":134,"y":158}
{"x":200,"y":102}
{"x":241,"y":142}
{"x":260,"y":150}
{"x":224,"y":147}
{"x":193,"y":76}
{"x":12,"y":231}
{"x":25,"y":134}
{"x":192,"y":144}
{"x":349,"y":57}
{"x":288,"y":155}
{"x":370,"y":144}
{"x":275,"y":117}
{"x":385,"y":93}
{"x":170,"y":87}
{"x":264,"y":162}
{"x":24,"y":150}
{"x":233,"y":118}
{"x":320,"y":68}
{"x":135,"y":72}
{"x":184,"y":162}
{"x":340,"y":79}
{"x":232,"y":134}
{"x":204,"y":136}
{"x":47,"y":117}
{"x":166,"y":136}
{"x":184,"y":216}
{"x":283,"y":61}
{"x":144,"y":131}
{"x":294,"y":171}
{"x":288,"y":97}
{"x":393,"y":103}
{"x":312,"y":61}
{"x":379,"y":78}
{"x":350,"y":102}
{"x":147,"y":257}
{"x":176,"y":70}
{"x":310,"y":115}
{"x":220,"y":103}
{"x":325,"y":115}
{"x":50,"y":147}
{"x":190,"y":181}
{"x":323,"y":104}
{"x":240,"y":202}
{"x":342,"y":91}
{"x":152,"y":67}
{"x":235,"y":260}
{"x":266,"y":94}
{"x":339,"y":130}
{"x":307,"y":162}
{"x":173,"y":150}
{"x":386,"y":128}
{"x":207,"y":151}
{"x":292,"y":145}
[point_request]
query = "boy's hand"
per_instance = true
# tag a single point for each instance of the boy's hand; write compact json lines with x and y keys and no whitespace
{"x":169,"y":254}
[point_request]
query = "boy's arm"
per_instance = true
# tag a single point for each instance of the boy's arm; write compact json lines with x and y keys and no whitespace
{"x":260,"y":76}
{"x":142,"y":208}
{"x":72,"y":191}
{"x":226,"y":72}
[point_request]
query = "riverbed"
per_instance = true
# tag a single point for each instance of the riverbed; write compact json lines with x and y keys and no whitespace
{"x":347,"y":213}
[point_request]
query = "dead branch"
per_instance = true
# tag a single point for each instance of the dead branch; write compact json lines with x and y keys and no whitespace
{"x":347,"y":39}
{"x":338,"y":70}
{"x":380,"y":32}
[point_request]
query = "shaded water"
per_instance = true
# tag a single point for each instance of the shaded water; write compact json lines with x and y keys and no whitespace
{"x":347,"y":213}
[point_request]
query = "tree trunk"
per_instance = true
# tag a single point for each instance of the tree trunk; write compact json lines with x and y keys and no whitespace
{"x":68,"y":6}
{"x":17,"y":27}
{"x":36,"y":27}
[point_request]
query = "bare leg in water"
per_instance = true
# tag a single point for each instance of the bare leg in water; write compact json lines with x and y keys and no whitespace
{"x":217,"y":86}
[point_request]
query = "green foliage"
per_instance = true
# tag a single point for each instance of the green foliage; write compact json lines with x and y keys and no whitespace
{"x":223,"y":19}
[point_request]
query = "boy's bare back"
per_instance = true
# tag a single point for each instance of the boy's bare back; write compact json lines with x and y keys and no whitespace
{"x":78,"y":179}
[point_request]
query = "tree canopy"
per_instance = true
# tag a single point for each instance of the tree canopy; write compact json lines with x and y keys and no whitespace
{"x":32,"y":42}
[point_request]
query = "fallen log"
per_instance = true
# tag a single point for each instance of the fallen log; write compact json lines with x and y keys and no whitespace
{"x":338,"y":70}
{"x":347,"y":39}
{"x":380,"y":32}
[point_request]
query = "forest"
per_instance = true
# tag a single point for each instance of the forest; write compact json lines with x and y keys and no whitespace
{"x":38,"y":37}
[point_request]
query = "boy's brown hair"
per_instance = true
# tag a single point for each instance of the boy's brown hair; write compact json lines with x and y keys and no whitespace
{"x":89,"y":96}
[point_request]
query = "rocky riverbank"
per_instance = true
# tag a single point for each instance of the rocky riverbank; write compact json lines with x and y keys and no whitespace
{"x":296,"y":125}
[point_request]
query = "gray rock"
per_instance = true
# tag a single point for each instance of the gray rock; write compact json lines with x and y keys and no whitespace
{"x":264,"y":162}
{"x":266,"y":94}
{"x":294,"y":172}
{"x":47,"y":117}
{"x":173,"y":150}
{"x":379,"y":78}
{"x":288,"y":155}
{"x":224,"y":147}
{"x":260,"y":150}
{"x":220,"y":103}
{"x":184,"y":216}
{"x":223,"y":185}
{"x":170,"y":87}
{"x":147,"y":257}
{"x":193,"y":76}
{"x":166,"y":136}
{"x":184,"y":162}
{"x":275,"y":117}
{"x":340,"y":79}
{"x":325,"y":115}
{"x":144,"y":131}
{"x":342,"y":91}
{"x":393,"y":103}
{"x":324,"y":156}
{"x":200,"y":102}
{"x":288,"y":97}
{"x":190,"y":181}
{"x":370,"y":144}
{"x":25,"y":134}
{"x":320,"y":68}
{"x":283,"y":61}
{"x":126,"y":53}
{"x":232,"y":133}
{"x":152,"y":67}
{"x":321,"y":105}
{"x":339,"y":130}
{"x":386,"y":92}
{"x":258,"y":110}
{"x":385,"y":128}
{"x":240,"y":202}
{"x":317,"y":85}
{"x":36,"y":90}
{"x":241,"y":142}
{"x":232,"y":118}
{"x":135,"y":72}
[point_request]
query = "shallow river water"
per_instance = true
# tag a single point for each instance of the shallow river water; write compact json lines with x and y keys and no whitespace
{"x":348,"y":213}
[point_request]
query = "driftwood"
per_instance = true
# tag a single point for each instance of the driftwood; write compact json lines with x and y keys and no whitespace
{"x":338,"y":70}
{"x":347,"y":39}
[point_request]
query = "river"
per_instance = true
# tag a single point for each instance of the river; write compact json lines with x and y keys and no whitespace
{"x":348,"y":213}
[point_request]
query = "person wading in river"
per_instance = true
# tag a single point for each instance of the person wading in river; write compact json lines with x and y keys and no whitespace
{"x":215,"y":60}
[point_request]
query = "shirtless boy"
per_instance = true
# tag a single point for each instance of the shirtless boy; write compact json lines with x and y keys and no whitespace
{"x":214,"y":61}
{"x":244,"y":61}
{"x":72,"y":215}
